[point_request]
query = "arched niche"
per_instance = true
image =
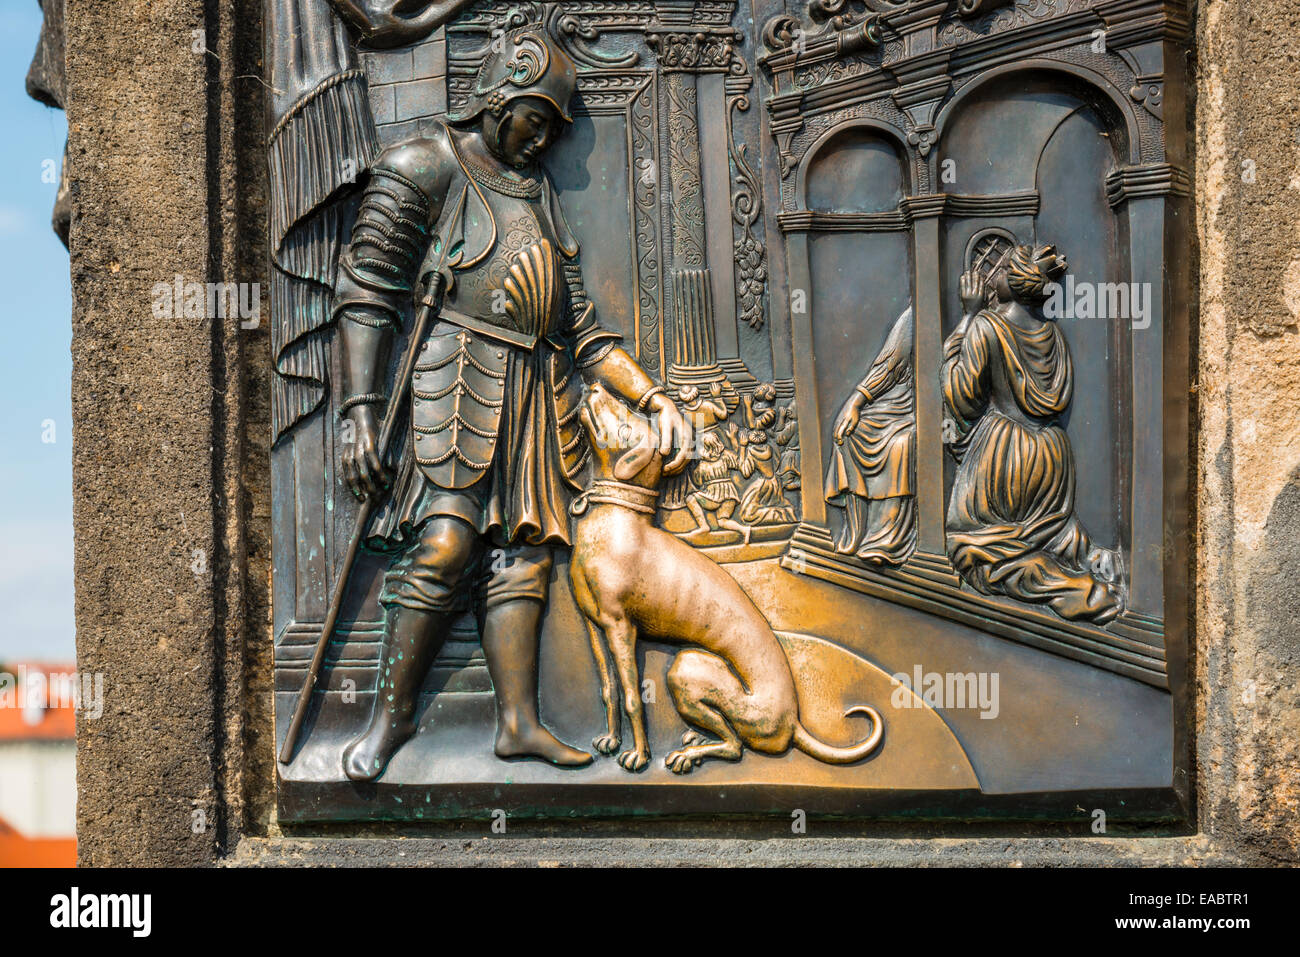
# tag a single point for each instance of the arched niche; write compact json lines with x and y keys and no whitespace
{"x":857,"y":257}
{"x":1035,"y":146}
{"x":1072,"y":78}
{"x":857,"y":167}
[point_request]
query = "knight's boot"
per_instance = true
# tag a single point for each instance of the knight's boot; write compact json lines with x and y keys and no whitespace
{"x":510,"y":639}
{"x":411,"y":642}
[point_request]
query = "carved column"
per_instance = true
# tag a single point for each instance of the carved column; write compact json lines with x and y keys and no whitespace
{"x":694,"y":353}
{"x":931,"y":499}
{"x":694,"y":348}
{"x":1140,"y":194}
{"x":1150,"y":197}
{"x":684,"y":52}
{"x":923,"y":82}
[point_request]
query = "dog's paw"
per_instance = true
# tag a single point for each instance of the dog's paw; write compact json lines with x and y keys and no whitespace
{"x":681,"y":762}
{"x":606,"y":743}
{"x":691,"y":736}
{"x":634,"y":760}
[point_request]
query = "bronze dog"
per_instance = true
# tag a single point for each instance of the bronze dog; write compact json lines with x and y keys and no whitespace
{"x":633,"y":579}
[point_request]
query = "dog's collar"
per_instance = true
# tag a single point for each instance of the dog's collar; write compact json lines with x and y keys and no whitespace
{"x":609,"y":492}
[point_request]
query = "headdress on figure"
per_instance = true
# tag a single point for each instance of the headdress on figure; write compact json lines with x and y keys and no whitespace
{"x":524,"y":61}
{"x":1031,"y":268}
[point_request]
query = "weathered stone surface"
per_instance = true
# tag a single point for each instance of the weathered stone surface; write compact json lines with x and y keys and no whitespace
{"x":170,"y":459}
{"x":477,"y":850}
{"x":158,"y":413}
{"x":1249,"y":453}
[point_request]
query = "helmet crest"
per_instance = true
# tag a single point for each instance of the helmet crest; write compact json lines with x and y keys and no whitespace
{"x":523,"y":62}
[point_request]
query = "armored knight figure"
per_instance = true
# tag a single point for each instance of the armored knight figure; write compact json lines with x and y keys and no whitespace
{"x":494,"y":451}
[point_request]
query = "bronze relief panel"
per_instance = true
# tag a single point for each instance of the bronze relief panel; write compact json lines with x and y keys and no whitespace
{"x":710,"y":407}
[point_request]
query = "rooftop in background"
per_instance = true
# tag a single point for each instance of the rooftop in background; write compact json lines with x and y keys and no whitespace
{"x":37,"y":701}
{"x":38,"y":707}
{"x":19,"y":851}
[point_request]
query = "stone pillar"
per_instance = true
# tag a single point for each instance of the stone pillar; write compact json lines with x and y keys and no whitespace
{"x":163,"y":157}
{"x":1245,"y":464}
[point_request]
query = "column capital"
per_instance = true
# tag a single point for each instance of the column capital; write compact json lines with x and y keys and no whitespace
{"x":693,"y":49}
{"x":1146,"y":179}
{"x":925,"y":206}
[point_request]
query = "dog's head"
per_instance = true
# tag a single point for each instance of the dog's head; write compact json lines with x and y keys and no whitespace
{"x":624,"y":446}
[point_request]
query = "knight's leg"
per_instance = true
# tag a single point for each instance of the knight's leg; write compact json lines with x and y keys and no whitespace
{"x":418,"y":596}
{"x":510,"y":617}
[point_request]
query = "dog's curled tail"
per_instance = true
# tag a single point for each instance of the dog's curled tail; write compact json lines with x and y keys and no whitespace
{"x":805,"y":742}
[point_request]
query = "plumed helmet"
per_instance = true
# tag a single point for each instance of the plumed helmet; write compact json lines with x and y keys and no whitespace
{"x":522,"y":62}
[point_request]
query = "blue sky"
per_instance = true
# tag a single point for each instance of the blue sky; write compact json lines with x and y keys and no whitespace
{"x":36,"y":579}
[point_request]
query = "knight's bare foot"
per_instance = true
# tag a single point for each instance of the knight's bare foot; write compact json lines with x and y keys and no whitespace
{"x":691,"y":736}
{"x":634,"y":760}
{"x":367,"y":756}
{"x":537,"y":742}
{"x":606,"y":743}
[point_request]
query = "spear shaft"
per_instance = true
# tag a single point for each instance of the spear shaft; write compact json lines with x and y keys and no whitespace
{"x":430,"y":305}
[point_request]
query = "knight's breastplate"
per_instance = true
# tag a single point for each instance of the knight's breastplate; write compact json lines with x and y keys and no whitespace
{"x":506,"y":301}
{"x":519,"y":283}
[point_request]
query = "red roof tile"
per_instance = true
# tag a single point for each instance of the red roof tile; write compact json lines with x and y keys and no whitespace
{"x":19,"y":851}
{"x":18,"y":721}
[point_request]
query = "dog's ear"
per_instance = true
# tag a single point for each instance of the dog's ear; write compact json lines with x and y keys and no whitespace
{"x":633,"y":462}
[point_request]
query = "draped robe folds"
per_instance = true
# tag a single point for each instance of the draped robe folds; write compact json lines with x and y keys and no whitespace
{"x":763,"y":502}
{"x":322,"y":135}
{"x":876,"y":460}
{"x":1011,"y":523}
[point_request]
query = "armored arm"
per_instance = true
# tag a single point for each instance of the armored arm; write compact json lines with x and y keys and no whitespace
{"x":376,"y":276}
{"x":377,"y":272}
{"x":596,"y":349}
